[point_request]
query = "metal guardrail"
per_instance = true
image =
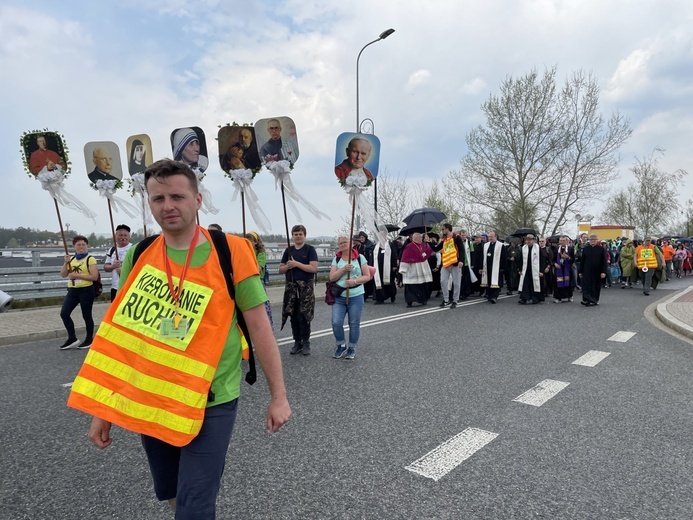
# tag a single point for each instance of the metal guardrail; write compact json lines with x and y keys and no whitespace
{"x":29,"y":283}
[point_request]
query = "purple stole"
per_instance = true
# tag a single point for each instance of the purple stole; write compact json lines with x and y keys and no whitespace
{"x":563,"y":272}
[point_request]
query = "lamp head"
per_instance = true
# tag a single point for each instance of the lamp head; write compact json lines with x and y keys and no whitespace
{"x":385,"y":34}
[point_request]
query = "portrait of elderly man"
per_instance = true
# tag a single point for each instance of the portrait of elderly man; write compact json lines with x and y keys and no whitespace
{"x":277,"y":148}
{"x":357,"y":154}
{"x":105,"y":167}
{"x":43,"y":157}
{"x":242,"y":151}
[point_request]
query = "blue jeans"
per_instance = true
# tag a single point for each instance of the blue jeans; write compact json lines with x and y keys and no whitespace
{"x":192,"y":474}
{"x":339,"y":310}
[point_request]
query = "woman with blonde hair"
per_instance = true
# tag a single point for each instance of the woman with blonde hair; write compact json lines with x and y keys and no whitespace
{"x":349,"y":270}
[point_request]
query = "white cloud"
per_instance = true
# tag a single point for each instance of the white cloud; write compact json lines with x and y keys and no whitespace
{"x":419,"y":77}
{"x":631,"y":76}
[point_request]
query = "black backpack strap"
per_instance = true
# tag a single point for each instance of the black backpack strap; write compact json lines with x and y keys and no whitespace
{"x":224,"y":253}
{"x":141,"y":246}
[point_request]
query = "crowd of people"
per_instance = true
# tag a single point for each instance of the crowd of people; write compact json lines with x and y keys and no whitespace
{"x":457,"y":266}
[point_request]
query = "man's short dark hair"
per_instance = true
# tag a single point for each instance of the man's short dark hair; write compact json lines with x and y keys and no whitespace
{"x":298,"y":228}
{"x":78,"y":238}
{"x":164,"y":168}
{"x":448,"y":226}
{"x":214,"y":226}
{"x":123,"y":226}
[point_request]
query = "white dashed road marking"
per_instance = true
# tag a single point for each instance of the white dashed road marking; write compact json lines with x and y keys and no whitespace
{"x":541,"y":393}
{"x":591,"y":358}
{"x":441,"y":460}
{"x":622,"y":336}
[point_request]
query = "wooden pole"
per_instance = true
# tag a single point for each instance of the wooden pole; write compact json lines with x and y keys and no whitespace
{"x":286,"y":226}
{"x":110,"y":216}
{"x":62,"y":231}
{"x":243,"y":211}
{"x":60,"y":223}
{"x":144,"y":216}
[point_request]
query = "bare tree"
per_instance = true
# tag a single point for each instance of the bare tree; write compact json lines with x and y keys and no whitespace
{"x":590,"y":158}
{"x":394,"y":197}
{"x":646,"y":204}
{"x":541,"y":155}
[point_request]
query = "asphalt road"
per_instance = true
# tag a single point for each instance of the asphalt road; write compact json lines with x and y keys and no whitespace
{"x":615,"y":443}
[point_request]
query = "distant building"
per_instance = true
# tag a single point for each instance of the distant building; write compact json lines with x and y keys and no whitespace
{"x":607,"y":232}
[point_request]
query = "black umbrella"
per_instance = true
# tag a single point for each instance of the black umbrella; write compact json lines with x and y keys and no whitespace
{"x":391,"y":227}
{"x":424,"y":217}
{"x":524,"y":231}
{"x":408,"y":230}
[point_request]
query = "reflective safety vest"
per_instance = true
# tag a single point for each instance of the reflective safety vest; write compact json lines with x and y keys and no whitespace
{"x":145,"y":383}
{"x":646,"y":256}
{"x":450,"y":256}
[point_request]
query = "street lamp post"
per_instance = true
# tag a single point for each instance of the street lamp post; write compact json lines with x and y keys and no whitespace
{"x":382,"y":36}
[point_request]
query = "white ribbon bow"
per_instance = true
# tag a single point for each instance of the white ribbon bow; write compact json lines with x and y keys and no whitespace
{"x":53,"y":183}
{"x":137,"y":183}
{"x":107,"y":189}
{"x":282,"y":174}
{"x":355,"y":186}
{"x":242,"y":180}
{"x":207,"y":206}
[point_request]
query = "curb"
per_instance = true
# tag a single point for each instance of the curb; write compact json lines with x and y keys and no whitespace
{"x":671,"y":321}
{"x":38,"y":336}
{"x":59,"y":333}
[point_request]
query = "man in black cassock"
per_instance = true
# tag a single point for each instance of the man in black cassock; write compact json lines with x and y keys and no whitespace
{"x":513,"y":265}
{"x":492,"y":271}
{"x":592,"y":271}
{"x":548,"y":252}
{"x":385,"y":279}
{"x":533,"y":268}
{"x":477,"y":264}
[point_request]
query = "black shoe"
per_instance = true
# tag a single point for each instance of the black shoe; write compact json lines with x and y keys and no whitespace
{"x":509,"y":293}
{"x":392,"y":299}
{"x":70,"y":343}
{"x":453,"y":305}
{"x":408,"y":304}
{"x":586,"y":304}
{"x":296,"y":348}
{"x":443,"y":304}
{"x":85,"y":344}
{"x":646,"y":293}
{"x":306,"y":348}
{"x":378,"y":302}
{"x":492,"y":300}
{"x":522,"y":302}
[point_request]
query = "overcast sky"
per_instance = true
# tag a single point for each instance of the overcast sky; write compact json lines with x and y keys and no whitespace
{"x":102,"y":71}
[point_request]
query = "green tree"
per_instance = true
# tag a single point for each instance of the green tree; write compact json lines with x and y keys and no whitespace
{"x":434,"y":197}
{"x":12,"y":242}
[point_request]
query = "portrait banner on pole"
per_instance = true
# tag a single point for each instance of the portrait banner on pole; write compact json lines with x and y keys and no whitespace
{"x":189,"y":146}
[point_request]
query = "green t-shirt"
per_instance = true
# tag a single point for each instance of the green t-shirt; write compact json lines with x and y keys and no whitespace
{"x":250,"y":293}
